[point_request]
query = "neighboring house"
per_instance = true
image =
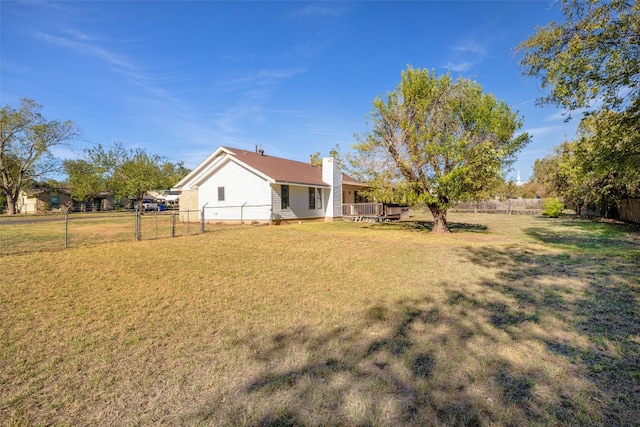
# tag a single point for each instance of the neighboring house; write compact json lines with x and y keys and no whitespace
{"x":239,"y":185}
{"x":102,"y":201}
{"x":42,"y":199}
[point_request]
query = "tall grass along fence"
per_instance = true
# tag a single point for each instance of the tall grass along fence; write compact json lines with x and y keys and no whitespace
{"x":29,"y":233}
{"x":509,"y":206}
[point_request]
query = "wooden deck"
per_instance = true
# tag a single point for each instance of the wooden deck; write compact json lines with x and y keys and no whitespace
{"x":373,"y":212}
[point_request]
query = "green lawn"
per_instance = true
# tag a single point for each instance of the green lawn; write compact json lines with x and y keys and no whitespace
{"x":510,"y":321}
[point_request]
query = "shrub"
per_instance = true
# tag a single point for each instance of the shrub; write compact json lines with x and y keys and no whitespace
{"x":552,"y":207}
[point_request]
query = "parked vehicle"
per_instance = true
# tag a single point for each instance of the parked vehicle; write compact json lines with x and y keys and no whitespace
{"x":149,"y":205}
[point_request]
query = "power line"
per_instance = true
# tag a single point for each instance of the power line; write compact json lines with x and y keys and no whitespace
{"x":151,"y":132}
{"x":113,"y":146}
{"x":66,"y":93}
{"x":106,"y":144}
{"x":96,"y":116}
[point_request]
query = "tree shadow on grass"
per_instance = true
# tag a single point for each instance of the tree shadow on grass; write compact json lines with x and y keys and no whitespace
{"x":586,"y":234}
{"x":421,"y":225}
{"x":474,"y":356}
{"x":545,"y":338}
{"x":583,"y":307}
{"x":376,"y":374}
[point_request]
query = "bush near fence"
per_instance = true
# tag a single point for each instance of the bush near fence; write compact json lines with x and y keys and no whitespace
{"x":509,"y":206}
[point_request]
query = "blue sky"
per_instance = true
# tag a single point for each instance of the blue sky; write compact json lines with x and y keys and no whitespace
{"x":180,"y":78}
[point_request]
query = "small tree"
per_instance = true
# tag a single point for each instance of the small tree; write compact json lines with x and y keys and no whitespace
{"x":85,"y":179}
{"x":435,"y":141}
{"x":126,"y":173}
{"x":552,"y":208}
{"x":26,"y":139}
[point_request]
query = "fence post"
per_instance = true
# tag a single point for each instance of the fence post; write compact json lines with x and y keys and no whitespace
{"x":137,"y":225}
{"x":242,"y":214}
{"x":66,"y":229}
{"x":202,"y":218}
{"x":188,"y":222}
{"x":173,"y":224}
{"x":156,"y":215}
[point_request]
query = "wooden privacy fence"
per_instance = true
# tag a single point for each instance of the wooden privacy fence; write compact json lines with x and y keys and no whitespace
{"x":629,"y":210}
{"x":509,"y":206}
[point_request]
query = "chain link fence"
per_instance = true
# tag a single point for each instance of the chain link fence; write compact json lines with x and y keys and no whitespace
{"x":24,"y":233}
{"x":36,"y":233}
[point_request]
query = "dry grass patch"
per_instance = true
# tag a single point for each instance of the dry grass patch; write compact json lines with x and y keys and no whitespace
{"x":329,"y":324}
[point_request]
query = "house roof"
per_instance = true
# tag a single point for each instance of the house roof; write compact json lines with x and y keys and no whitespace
{"x":35,"y":191}
{"x":276,"y":168}
{"x":284,"y":170}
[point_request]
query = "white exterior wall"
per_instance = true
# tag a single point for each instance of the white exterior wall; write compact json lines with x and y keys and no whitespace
{"x":298,"y":203}
{"x":332,"y":175}
{"x":240,"y":186}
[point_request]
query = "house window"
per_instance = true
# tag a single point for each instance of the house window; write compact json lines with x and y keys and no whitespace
{"x":221,"y":194}
{"x":319,"y":203}
{"x":284,"y":197}
{"x":54,"y":201}
{"x":358,"y":198}
{"x":312,"y":198}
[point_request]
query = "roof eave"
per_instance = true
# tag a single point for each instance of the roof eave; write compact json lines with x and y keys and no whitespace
{"x":301,"y":184}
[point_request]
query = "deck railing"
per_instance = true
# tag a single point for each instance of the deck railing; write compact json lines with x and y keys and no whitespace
{"x":362,"y":209}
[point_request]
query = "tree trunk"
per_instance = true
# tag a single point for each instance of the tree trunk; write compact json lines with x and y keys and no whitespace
{"x":11,"y":206}
{"x":439,"y":219}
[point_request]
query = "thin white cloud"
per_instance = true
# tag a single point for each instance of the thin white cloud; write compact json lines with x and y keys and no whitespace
{"x":458,"y":67}
{"x":79,"y":35}
{"x":309,"y":49}
{"x":544,"y":131}
{"x":86,"y":45}
{"x":318,"y":10}
{"x":86,"y":49}
{"x":528,"y":101}
{"x":236,"y":118}
{"x":465,"y":55}
{"x":14,"y":67}
{"x":559,"y":116}
{"x":262,"y":77}
{"x":471,"y":47}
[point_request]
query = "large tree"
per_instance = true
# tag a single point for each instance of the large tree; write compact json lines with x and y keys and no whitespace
{"x":436,"y":141}
{"x":26,"y":139}
{"x":590,"y":63}
{"x":580,"y":174}
{"x":592,"y":59}
{"x":609,"y":147}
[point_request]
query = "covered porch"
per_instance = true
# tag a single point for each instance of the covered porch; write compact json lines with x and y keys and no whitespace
{"x":356,"y":207}
{"x":373,"y":212}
